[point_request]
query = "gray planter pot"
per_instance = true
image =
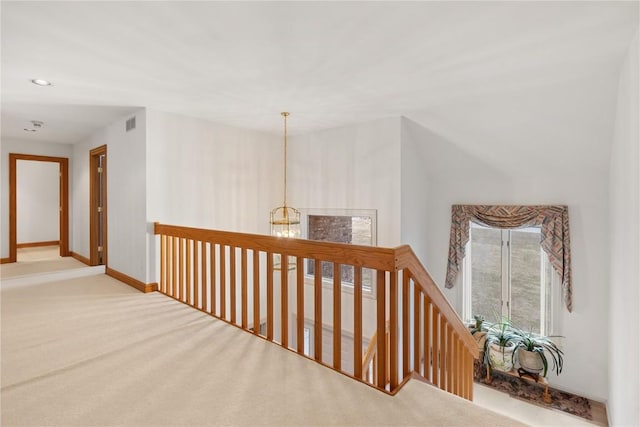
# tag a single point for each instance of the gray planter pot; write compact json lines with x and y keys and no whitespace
{"x":530,"y":361}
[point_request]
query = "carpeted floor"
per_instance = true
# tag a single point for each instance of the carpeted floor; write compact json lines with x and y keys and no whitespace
{"x":38,"y":260}
{"x":93,"y":351}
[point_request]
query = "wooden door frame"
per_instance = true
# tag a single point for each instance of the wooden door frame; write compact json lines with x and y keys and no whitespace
{"x":94,"y":257}
{"x":13,"y":206}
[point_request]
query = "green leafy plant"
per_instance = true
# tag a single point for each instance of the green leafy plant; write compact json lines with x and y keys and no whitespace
{"x":479,"y":324}
{"x":542,"y":345}
{"x":501,"y":334}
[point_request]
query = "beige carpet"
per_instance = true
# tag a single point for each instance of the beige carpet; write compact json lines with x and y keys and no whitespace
{"x":95,"y":352}
{"x":38,"y":260}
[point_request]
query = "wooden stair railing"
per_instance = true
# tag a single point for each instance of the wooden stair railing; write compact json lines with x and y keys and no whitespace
{"x":235,"y":277}
{"x":370,"y":360}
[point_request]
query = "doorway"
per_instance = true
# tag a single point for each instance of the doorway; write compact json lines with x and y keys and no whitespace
{"x":13,"y":206}
{"x":98,"y":206}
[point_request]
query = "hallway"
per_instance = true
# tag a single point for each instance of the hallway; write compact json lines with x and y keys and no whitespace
{"x":38,"y":260}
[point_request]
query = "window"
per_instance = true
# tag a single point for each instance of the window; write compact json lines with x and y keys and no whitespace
{"x":507,"y":274}
{"x":343,"y":226}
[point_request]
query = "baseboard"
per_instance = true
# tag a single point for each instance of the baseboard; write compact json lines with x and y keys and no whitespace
{"x":36,"y":244}
{"x":142,"y":287}
{"x":81,"y":258}
{"x":5,"y":260}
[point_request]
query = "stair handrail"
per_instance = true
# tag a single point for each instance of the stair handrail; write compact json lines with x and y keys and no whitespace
{"x":372,"y":349}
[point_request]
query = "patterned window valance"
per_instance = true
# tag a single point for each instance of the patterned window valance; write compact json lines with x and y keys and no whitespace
{"x":554,"y":230}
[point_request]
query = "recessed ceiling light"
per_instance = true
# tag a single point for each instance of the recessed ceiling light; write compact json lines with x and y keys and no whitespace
{"x":41,"y":82}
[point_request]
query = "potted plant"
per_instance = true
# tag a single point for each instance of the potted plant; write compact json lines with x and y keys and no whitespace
{"x":478,"y":331}
{"x":533,"y":353}
{"x":499,"y":345}
{"x":477,"y":325}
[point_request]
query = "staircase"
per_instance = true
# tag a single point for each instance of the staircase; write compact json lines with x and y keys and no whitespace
{"x":270,"y":286}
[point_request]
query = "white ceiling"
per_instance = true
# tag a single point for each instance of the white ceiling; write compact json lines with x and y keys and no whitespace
{"x":491,"y":76}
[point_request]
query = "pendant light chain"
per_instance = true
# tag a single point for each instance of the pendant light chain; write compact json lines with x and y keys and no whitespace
{"x":285,"y":114}
{"x":285,"y":221}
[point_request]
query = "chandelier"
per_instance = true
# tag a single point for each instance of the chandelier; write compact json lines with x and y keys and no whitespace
{"x":285,"y":220}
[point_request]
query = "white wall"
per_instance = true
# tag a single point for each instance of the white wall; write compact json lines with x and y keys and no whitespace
{"x":454,"y":176}
{"x":415,"y":190}
{"x":200,"y":174}
{"x":38,"y":201}
{"x":126,"y":195}
{"x":354,"y":167}
{"x":24,"y":147}
{"x":624,"y":278}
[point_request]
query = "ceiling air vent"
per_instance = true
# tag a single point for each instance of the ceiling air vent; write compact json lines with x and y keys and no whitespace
{"x":131,"y":124}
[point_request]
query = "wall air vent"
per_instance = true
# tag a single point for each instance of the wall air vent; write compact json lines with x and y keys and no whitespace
{"x":131,"y":124}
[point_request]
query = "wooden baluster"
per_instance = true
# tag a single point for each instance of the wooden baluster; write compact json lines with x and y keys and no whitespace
{"x":435,"y":362}
{"x":454,"y":362}
{"x":223,"y":282}
{"x":381,"y":326}
{"x":256,"y":292}
{"x":450,"y":359}
{"x":203,"y":293}
{"x":300,"y":304}
{"x":174,"y":267}
{"x":443,"y":353}
{"x":387,"y":348}
{"x":187,"y":296}
{"x":317,"y":328}
{"x":454,"y":368}
{"x":212,"y":275}
{"x":375,"y":369}
{"x":406,"y":347}
{"x":196,"y":272}
{"x":175,"y":286}
{"x":417,"y":305}
{"x":337,"y":317}
{"x":163,"y":266}
{"x":183,"y":285}
{"x":452,"y":371}
{"x":243,"y":285}
{"x":426,"y":339}
{"x":232,"y":284}
{"x":459,"y":371}
{"x":270,"y":296}
{"x":178,"y":284}
{"x":170,"y":265}
{"x":469,"y":364}
{"x":284,"y":298}
{"x":357,"y":322}
{"x":465,"y":372}
{"x":392,"y":348}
